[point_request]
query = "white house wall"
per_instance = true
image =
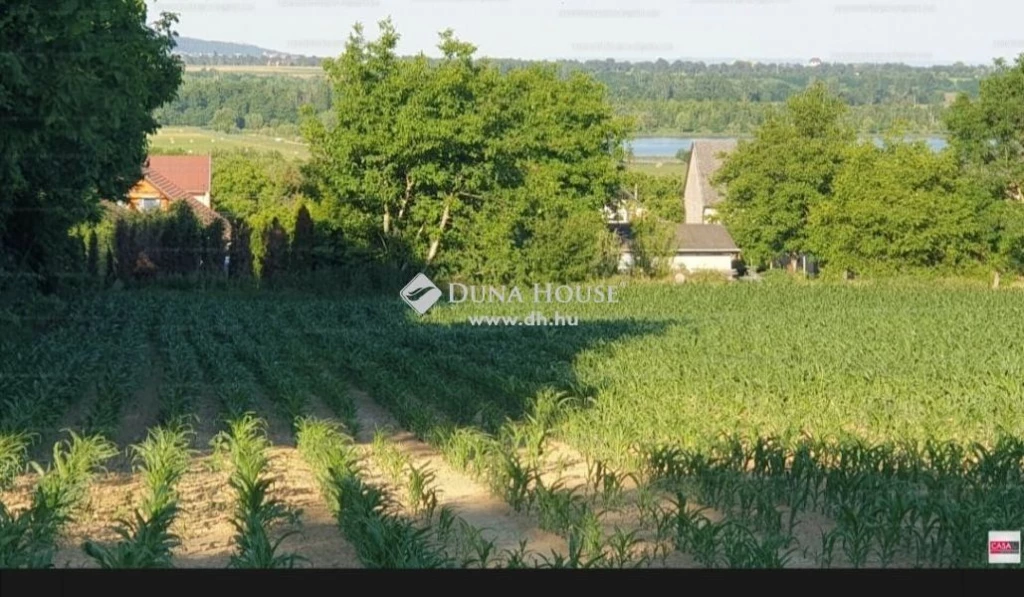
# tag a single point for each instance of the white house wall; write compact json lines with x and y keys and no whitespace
{"x":693,"y":262}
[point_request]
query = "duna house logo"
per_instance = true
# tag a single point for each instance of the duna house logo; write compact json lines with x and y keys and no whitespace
{"x":421,"y":294}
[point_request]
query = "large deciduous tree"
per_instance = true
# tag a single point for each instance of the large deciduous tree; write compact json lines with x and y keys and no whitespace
{"x":987,"y":135}
{"x":774,"y":181}
{"x":460,"y":167}
{"x":78,"y":85}
{"x":900,"y":207}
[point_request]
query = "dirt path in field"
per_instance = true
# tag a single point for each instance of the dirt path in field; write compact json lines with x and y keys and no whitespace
{"x":564,"y":463}
{"x":112,"y":495}
{"x":561,"y":463}
{"x":74,"y":419}
{"x":208,"y":503}
{"x":142,"y":410}
{"x":320,"y":540}
{"x":468,"y":499}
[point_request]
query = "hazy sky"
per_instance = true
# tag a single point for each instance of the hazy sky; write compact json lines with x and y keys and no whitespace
{"x":922,"y":32}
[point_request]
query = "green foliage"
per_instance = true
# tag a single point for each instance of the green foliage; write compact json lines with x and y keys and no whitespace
{"x":900,"y":207}
{"x":141,"y":246}
{"x":367,"y":516}
{"x":13,"y":451}
{"x":245,"y":183}
{"x":455,"y":164}
{"x":145,"y":542}
{"x":653,"y":245}
{"x":775,"y":180}
{"x":245,"y":443}
{"x":987,"y":133}
{"x":224,"y":120}
{"x":804,"y":185}
{"x":265,"y":103}
{"x":28,"y":539}
{"x":660,"y":196}
{"x":662,"y":97}
{"x":79,"y":85}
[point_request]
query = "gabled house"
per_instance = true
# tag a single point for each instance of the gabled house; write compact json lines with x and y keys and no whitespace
{"x":167,"y":178}
{"x":699,"y":196}
{"x":701,"y":244}
{"x":704,"y":247}
{"x":170,"y":178}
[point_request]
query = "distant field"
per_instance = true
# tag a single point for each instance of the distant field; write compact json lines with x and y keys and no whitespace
{"x":296,"y":71}
{"x":666,"y":167}
{"x":198,"y":140}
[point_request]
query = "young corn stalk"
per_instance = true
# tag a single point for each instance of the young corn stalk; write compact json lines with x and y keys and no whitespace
{"x":146,"y":540}
{"x":13,"y":452}
{"x":245,"y":443}
{"x":28,"y":539}
{"x":366,"y":514}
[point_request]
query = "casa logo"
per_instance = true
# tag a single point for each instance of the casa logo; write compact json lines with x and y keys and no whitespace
{"x":1004,"y":547}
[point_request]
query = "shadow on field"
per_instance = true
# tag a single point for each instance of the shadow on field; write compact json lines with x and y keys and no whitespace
{"x":472,"y":375}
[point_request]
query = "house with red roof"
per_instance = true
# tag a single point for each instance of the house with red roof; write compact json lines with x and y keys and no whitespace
{"x":170,"y":178}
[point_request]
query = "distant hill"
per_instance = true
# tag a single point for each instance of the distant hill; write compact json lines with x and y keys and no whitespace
{"x":190,"y":46}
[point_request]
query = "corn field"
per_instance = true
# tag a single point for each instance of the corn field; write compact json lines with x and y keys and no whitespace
{"x":741,"y":425}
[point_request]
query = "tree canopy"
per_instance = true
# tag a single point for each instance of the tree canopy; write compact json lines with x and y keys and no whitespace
{"x":78,"y":86}
{"x":455,"y":165}
{"x":805,"y":184}
{"x":776,"y":179}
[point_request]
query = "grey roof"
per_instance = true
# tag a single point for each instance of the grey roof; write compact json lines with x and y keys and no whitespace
{"x":700,"y":238}
{"x":707,"y":154}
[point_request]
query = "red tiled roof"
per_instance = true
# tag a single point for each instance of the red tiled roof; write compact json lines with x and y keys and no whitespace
{"x":164,"y":184}
{"x":207,"y":216}
{"x":190,"y":173}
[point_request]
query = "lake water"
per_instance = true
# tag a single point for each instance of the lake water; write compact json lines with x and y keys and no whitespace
{"x":658,"y":147}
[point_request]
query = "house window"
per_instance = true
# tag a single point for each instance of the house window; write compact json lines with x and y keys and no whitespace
{"x":148,"y":204}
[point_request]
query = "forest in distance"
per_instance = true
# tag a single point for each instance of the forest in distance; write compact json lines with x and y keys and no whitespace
{"x":664,"y":98}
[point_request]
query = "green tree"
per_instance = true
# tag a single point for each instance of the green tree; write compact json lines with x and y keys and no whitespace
{"x":900,"y":207}
{"x":420,"y":150}
{"x":987,"y":135}
{"x":774,"y":181}
{"x":246,"y":182}
{"x":253,"y":121}
{"x":303,"y":239}
{"x":78,"y":85}
{"x":224,"y":120}
{"x":661,"y":196}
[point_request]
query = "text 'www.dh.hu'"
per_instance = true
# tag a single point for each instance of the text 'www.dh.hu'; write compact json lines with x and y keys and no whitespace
{"x":535,"y":318}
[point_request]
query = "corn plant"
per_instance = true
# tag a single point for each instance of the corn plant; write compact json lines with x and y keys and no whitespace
{"x":369,"y":518}
{"x":146,"y":539}
{"x":28,"y":539}
{"x":420,"y":492}
{"x":245,"y":443}
{"x":13,"y":452}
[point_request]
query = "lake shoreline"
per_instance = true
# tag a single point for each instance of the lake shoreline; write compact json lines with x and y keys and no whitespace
{"x":669,"y":146}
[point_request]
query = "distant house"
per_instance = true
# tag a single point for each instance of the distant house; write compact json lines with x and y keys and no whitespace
{"x":815,"y":62}
{"x":167,"y":178}
{"x":699,"y":196}
{"x":704,"y":247}
{"x":170,"y":178}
